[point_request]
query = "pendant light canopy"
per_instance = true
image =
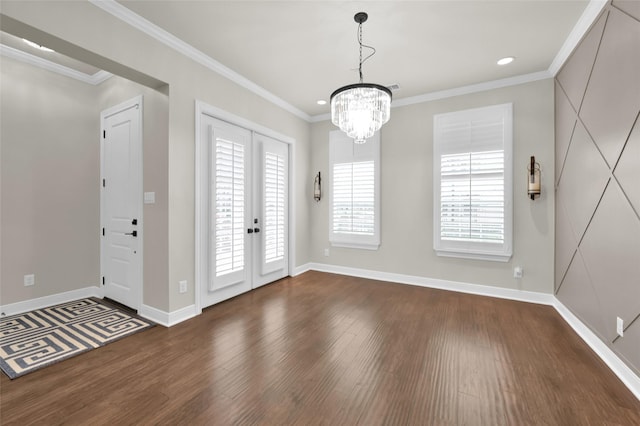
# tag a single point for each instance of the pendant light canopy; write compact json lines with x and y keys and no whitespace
{"x":361,"y":109}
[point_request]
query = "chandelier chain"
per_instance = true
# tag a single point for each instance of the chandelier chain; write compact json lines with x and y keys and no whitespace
{"x":361,"y":45}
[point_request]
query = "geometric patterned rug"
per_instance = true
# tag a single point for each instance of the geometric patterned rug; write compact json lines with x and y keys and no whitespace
{"x":35,"y":339}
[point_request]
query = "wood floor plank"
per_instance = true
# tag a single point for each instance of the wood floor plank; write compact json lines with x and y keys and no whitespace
{"x":323,"y":349}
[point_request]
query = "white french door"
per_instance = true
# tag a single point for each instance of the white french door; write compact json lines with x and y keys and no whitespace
{"x":246,"y":220}
{"x":271,"y":206}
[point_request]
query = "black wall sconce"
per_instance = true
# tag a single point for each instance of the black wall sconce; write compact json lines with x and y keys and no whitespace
{"x":533,"y":181}
{"x":317,"y":188}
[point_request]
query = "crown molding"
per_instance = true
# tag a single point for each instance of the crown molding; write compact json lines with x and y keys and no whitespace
{"x":472,"y":88}
{"x":588,"y":17}
{"x":48,"y":65}
{"x":119,"y":11}
{"x":458,"y":91}
{"x":126,"y":15}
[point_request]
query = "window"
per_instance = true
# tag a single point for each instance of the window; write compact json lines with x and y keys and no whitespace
{"x":473,"y":183}
{"x":275,"y":204}
{"x":355,"y":192}
{"x":229,"y":206}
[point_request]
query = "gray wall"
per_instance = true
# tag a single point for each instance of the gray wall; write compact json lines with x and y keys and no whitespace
{"x":597,"y":263}
{"x":155,"y":179}
{"x":407,"y":195}
{"x":50,"y":182}
{"x":129,"y":52}
{"x":50,"y":169}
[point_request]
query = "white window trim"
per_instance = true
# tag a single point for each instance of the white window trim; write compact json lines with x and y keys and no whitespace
{"x":470,"y":250}
{"x":369,"y":242}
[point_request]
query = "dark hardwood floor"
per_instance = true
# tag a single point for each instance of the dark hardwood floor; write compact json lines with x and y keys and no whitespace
{"x":336,"y":350}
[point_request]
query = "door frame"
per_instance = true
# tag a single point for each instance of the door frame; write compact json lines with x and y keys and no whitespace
{"x":136,"y":102}
{"x":201,"y":188}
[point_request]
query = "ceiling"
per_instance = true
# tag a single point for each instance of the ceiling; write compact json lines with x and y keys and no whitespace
{"x":302,"y":51}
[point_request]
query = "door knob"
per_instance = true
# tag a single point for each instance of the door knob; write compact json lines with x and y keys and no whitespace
{"x":133,"y":234}
{"x":250,"y":231}
{"x":134,"y":222}
{"x":256,"y":230}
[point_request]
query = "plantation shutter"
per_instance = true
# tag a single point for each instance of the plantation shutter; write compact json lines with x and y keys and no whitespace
{"x":228,"y":239}
{"x":354,"y":198}
{"x":275,"y":205}
{"x":472,"y":174}
{"x":355,"y":192}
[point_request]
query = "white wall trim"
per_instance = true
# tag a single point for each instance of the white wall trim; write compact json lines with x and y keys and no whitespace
{"x":51,"y":300}
{"x":473,"y":88}
{"x":301,"y":269}
{"x":219,"y":113}
{"x":461,"y":287}
{"x":459,"y":91}
{"x":167,"y":319}
{"x":126,"y":15}
{"x":619,"y":368}
{"x":121,"y":12}
{"x":48,"y":65}
{"x":588,"y":17}
{"x":100,"y":77}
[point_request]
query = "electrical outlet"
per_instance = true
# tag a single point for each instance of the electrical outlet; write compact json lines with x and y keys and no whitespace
{"x":29,"y":280}
{"x":183,"y":286}
{"x":326,"y":252}
{"x":619,"y":326}
{"x":517,"y":272}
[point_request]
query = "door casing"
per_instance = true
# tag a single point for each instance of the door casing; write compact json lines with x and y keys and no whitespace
{"x":201,"y":188}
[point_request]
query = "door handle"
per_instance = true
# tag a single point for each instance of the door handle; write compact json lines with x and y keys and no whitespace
{"x":256,"y":230}
{"x":133,"y":234}
{"x":250,"y":231}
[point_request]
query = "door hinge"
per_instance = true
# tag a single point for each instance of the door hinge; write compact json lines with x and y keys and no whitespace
{"x":102,"y":280}
{"x":104,"y":183}
{"x":104,"y":134}
{"x":103,"y":232}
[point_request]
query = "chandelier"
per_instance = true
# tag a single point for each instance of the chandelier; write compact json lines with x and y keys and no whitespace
{"x":361,"y":109}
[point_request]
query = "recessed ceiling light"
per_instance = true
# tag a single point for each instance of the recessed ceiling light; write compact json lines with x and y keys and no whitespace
{"x":505,"y":61}
{"x":321,"y":102}
{"x":37,"y":46}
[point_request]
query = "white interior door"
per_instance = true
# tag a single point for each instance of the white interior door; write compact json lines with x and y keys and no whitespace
{"x":246,"y":210}
{"x":121,"y":202}
{"x":271,"y":195}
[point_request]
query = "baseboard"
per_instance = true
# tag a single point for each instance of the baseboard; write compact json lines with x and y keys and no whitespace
{"x":167,"y":319}
{"x":620,"y":369}
{"x":460,"y":287}
{"x":617,"y":366}
{"x":301,"y":269}
{"x":46,"y":301}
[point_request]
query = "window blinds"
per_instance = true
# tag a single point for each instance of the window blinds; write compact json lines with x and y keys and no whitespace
{"x":229,"y":207}
{"x":354,"y":198}
{"x":472,"y":197}
{"x":274,"y":208}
